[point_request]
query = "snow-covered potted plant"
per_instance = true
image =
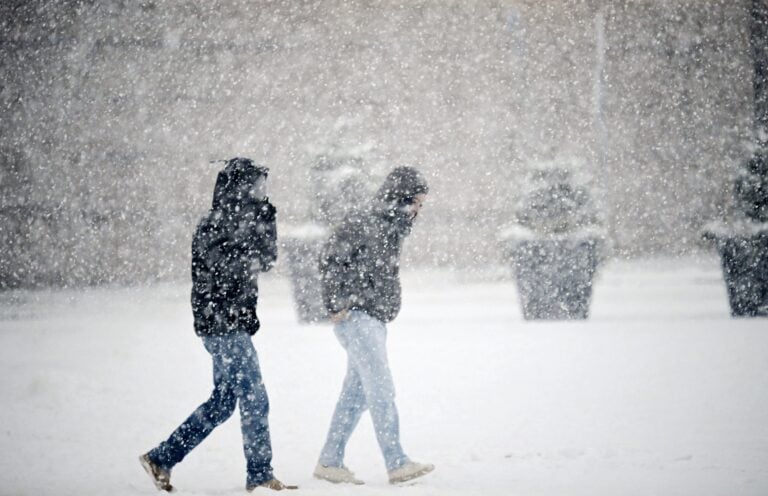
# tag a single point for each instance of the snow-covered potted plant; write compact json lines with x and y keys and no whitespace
{"x":555,"y":245}
{"x":742,"y":241}
{"x":338,"y":186}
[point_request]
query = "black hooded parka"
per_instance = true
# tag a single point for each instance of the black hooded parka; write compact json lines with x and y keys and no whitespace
{"x":232,"y":244}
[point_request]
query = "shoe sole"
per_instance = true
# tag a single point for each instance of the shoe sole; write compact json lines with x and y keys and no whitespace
{"x":412,"y":476}
{"x":356,"y":482}
{"x":282,"y":487}
{"x":159,"y":485}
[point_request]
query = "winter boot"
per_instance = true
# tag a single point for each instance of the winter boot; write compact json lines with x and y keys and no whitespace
{"x":410,"y":470}
{"x":273,"y":484}
{"x":337,"y":475}
{"x":160,"y":476}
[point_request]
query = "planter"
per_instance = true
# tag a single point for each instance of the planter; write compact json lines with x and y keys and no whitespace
{"x":555,"y":240}
{"x":744,"y":260}
{"x":554,"y":276}
{"x":302,"y":248}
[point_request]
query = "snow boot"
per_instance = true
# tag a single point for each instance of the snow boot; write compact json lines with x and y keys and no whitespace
{"x":410,"y":470}
{"x":337,"y":475}
{"x":160,"y":477}
{"x":273,"y":484}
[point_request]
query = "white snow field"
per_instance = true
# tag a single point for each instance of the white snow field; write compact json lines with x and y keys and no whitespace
{"x":660,"y":392}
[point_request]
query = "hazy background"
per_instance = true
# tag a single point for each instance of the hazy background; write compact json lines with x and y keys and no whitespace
{"x":110,"y":112}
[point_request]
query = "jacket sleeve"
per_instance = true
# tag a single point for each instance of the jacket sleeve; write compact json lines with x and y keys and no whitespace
{"x":202,"y":282}
{"x":252,"y":249}
{"x":261,"y":235}
{"x":338,"y":266}
{"x":268,"y":255}
{"x":209,"y":287}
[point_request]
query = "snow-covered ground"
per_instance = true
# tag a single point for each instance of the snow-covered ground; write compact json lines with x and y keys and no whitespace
{"x":659,"y":393}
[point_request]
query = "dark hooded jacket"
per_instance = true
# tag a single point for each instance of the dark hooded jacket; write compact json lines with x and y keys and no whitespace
{"x":360,"y":263}
{"x":236,"y":241}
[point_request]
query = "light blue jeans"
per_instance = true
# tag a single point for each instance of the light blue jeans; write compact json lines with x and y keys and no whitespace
{"x":367,"y":385}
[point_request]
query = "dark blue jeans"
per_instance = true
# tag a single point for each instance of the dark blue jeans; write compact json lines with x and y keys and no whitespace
{"x":236,"y":379}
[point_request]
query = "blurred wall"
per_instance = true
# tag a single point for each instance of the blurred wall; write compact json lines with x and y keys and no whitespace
{"x":110,"y":112}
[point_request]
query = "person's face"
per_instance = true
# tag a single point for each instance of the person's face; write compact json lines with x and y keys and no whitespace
{"x":418,"y":202}
{"x":257,"y":190}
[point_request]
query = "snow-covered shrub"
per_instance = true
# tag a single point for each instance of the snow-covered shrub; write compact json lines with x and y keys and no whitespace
{"x":338,"y":186}
{"x":557,"y":202}
{"x":557,"y":206}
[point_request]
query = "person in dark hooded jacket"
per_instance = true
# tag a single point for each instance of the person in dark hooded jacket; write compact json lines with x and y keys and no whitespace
{"x":232,"y":244}
{"x":360,"y":271}
{"x":236,"y":241}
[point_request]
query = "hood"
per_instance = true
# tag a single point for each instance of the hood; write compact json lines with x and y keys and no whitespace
{"x":240,"y":181}
{"x":393,"y":199}
{"x":402,"y":184}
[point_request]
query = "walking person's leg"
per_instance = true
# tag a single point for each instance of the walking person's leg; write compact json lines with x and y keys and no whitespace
{"x":368,"y":384}
{"x":346,"y":415}
{"x":254,"y":411}
{"x":367,"y":352}
{"x":218,"y":408}
{"x":349,"y":408}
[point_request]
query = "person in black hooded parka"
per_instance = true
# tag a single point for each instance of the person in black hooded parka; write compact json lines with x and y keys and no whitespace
{"x":360,"y":271}
{"x":232,"y":244}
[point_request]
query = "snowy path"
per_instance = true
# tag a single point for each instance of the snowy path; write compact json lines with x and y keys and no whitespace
{"x":659,"y":393}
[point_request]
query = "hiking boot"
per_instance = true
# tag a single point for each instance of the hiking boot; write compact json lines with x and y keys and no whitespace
{"x":273,"y":484}
{"x":160,"y":476}
{"x":337,"y":475}
{"x":410,"y":470}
